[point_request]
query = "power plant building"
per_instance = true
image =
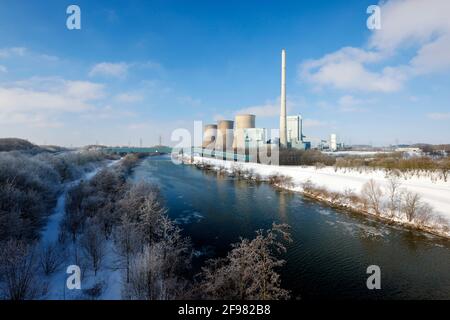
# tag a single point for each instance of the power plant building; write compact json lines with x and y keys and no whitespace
{"x":209,"y":136}
{"x":238,"y":136}
{"x":295,"y":133}
{"x":294,"y":128}
{"x":333,"y":142}
{"x":225,"y":133}
{"x":243,"y":122}
{"x":254,"y":137}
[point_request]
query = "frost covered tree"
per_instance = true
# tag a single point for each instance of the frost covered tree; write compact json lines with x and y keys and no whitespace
{"x":93,"y":245}
{"x":394,"y":195}
{"x":248,"y":272}
{"x":18,"y":271}
{"x":127,"y":238}
{"x":373,"y":194}
{"x":51,"y":257}
{"x":156,"y":272}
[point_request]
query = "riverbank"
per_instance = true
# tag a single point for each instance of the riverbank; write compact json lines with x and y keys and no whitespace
{"x":344,"y":189}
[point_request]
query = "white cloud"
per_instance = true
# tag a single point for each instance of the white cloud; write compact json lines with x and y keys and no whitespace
{"x":116,"y":70}
{"x":439,"y":116}
{"x":310,"y":123}
{"x":349,"y":103}
{"x":29,"y":119}
{"x":271,"y":108}
{"x":422,"y":26}
{"x":406,"y":23}
{"x":20,"y":99}
{"x":188,"y":100}
{"x":433,"y":56}
{"x":268,"y":109}
{"x":13,"y":51}
{"x":83,"y":90}
{"x":39,"y":101}
{"x":129,"y":97}
{"x":346,"y":69}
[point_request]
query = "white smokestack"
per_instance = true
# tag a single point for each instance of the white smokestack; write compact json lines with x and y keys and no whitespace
{"x":283,"y":129}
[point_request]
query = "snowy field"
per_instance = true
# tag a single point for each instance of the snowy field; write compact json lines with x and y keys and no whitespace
{"x":435,"y":192}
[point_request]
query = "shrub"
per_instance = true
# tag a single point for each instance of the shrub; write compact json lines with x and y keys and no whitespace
{"x":280,"y":180}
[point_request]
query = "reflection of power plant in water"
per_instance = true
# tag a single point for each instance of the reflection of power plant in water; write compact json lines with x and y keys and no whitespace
{"x":242,"y":134}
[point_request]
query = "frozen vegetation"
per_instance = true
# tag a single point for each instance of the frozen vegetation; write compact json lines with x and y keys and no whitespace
{"x":31,"y":180}
{"x":120,"y":236}
{"x":417,"y":198}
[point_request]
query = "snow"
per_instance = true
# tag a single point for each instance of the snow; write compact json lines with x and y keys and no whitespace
{"x":435,"y":192}
{"x":57,"y":281}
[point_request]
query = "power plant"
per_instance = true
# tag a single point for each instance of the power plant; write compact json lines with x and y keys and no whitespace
{"x":240,"y":135}
{"x":244,"y":122}
{"x":209,"y":136}
{"x":225,"y":137}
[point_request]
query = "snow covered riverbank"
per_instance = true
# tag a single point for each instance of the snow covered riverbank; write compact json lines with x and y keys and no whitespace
{"x":434,"y":192}
{"x":57,"y":281}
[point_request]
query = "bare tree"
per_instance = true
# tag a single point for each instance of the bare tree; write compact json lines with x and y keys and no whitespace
{"x":150,"y":214}
{"x":18,"y":271}
{"x":127,"y":238}
{"x":394,"y":195}
{"x":424,"y":214}
{"x":93,"y":244}
{"x":411,"y":204}
{"x":372,"y":193}
{"x":50,"y":258}
{"x":248,"y":271}
{"x":72,"y":223}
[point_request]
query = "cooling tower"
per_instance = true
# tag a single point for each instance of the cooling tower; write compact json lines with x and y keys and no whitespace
{"x":209,"y":136}
{"x":243,"y":121}
{"x":225,"y":134}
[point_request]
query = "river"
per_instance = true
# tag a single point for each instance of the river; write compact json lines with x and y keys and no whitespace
{"x":331,"y":249}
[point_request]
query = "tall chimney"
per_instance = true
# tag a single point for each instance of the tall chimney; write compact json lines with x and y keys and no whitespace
{"x":283,"y":129}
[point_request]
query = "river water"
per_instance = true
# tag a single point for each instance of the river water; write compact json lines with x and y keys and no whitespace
{"x":331,"y":249}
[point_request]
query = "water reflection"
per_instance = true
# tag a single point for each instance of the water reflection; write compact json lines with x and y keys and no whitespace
{"x":331,"y":248}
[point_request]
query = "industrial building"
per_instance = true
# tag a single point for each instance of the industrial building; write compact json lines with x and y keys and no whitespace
{"x":333,"y":142}
{"x":229,"y":137}
{"x":295,"y":133}
{"x":209,"y":136}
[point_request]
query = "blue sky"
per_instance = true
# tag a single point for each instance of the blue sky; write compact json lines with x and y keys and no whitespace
{"x":140,"y":69}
